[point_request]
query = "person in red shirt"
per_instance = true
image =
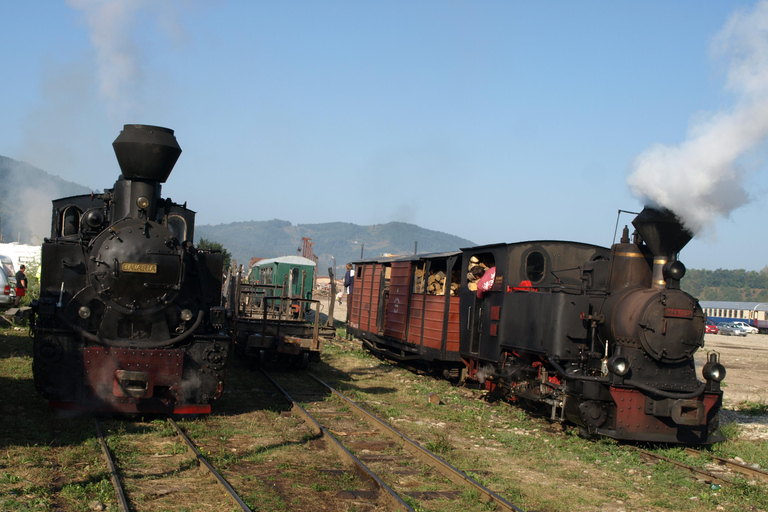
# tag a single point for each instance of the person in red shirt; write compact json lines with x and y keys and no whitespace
{"x":486,"y":282}
{"x":21,"y":284}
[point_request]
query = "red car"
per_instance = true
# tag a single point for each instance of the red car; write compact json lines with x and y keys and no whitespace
{"x":711,"y":328}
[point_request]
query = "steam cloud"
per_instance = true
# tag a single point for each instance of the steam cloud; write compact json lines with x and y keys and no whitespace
{"x":127,"y":88}
{"x":702,"y":179}
{"x":110,"y":25}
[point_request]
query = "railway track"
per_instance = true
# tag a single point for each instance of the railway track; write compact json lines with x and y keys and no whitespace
{"x":401,"y":473}
{"x":722,"y":475}
{"x":118,"y":480}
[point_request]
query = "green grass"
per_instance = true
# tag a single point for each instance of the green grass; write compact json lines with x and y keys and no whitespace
{"x":440,"y":444}
{"x":752,"y":408}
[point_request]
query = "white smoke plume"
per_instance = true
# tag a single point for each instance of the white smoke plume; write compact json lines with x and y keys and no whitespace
{"x":112,"y":26}
{"x":702,"y":179}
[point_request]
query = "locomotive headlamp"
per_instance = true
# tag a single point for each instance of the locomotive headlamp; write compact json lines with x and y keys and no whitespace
{"x":186,"y":315}
{"x":84,"y":312}
{"x":674,"y":270}
{"x":93,"y":218}
{"x":713,"y":371}
{"x":142,"y":202}
{"x":619,"y":365}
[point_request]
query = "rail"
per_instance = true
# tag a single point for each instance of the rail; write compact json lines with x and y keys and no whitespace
{"x":446,"y":470}
{"x":361,"y":469}
{"x":117,"y":484}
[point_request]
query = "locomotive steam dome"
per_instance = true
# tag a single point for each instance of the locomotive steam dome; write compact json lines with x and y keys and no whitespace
{"x":146,"y":152}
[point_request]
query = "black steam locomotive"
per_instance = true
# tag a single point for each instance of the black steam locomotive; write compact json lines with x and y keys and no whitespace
{"x":124,"y":320}
{"x":603,"y":338}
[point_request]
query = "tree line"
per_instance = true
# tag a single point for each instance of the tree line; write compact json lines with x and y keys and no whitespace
{"x":727,"y":285}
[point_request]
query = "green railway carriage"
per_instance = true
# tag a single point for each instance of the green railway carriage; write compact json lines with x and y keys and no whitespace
{"x":273,"y":318}
{"x":295,"y":274}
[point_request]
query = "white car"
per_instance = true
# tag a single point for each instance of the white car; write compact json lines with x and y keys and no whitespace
{"x":745,"y":326}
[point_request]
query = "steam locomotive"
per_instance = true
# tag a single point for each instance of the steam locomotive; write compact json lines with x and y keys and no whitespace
{"x":602,"y":338}
{"x":127,"y":316}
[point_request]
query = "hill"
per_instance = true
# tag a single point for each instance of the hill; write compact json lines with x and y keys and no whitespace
{"x":343,"y":241}
{"x":26,"y":193}
{"x":727,"y":285}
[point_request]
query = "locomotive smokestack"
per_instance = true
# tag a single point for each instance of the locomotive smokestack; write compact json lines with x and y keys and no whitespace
{"x":662,"y":231}
{"x":665,"y":236}
{"x":146,"y":152}
{"x":146,"y":155}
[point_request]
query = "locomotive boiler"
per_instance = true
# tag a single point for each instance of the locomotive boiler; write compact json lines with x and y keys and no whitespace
{"x":601,"y":338}
{"x":124,"y":321}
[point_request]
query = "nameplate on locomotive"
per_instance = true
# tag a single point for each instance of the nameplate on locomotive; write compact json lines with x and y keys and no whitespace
{"x":678,"y":313}
{"x":142,"y":268}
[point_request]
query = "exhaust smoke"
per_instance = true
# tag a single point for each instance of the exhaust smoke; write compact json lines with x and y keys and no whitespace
{"x":703,"y":178}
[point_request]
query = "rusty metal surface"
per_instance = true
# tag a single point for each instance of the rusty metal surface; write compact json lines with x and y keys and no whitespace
{"x":161,"y":367}
{"x":397,"y":305}
{"x":373,"y":317}
{"x":218,"y":476}
{"x":447,"y":470}
{"x":415,"y":319}
{"x":452,"y":332}
{"x":699,"y":474}
{"x":121,"y":498}
{"x":389,"y":494}
{"x":119,"y":492}
{"x":745,"y":469}
{"x":434,"y":316}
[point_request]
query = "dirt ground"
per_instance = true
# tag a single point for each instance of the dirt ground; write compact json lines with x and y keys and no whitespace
{"x":339,"y":310}
{"x":746,"y":364}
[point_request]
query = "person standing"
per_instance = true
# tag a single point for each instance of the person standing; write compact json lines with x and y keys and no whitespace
{"x":349,"y":279}
{"x":21,"y":284}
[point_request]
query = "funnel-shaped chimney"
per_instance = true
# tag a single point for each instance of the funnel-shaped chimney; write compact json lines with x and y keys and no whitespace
{"x":662,"y":231}
{"x":146,"y":152}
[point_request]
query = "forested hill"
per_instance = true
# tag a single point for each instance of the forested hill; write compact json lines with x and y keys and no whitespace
{"x":343,"y":240}
{"x":727,"y":285}
{"x":26,"y":193}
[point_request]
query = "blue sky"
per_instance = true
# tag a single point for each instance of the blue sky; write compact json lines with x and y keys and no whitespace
{"x":493,"y":121}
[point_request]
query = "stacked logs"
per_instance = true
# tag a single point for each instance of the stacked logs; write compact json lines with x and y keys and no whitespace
{"x":472,"y":279}
{"x":418,"y":280}
{"x":436,"y":284}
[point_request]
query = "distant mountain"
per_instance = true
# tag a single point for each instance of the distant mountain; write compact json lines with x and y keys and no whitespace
{"x":342,"y":240}
{"x":26,"y":193}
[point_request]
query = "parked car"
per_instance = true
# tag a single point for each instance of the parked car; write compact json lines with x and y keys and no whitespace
{"x":729,"y":329}
{"x":7,"y":289}
{"x":745,"y":326}
{"x":711,"y":328}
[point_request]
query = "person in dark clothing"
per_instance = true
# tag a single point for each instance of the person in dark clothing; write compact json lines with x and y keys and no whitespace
{"x":21,"y":284}
{"x":349,"y":279}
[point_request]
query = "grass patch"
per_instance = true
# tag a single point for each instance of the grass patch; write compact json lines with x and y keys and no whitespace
{"x":440,"y":444}
{"x":752,"y":408}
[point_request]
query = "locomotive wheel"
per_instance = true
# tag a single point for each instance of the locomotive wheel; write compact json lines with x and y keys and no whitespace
{"x":263,"y":358}
{"x":303,"y":361}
